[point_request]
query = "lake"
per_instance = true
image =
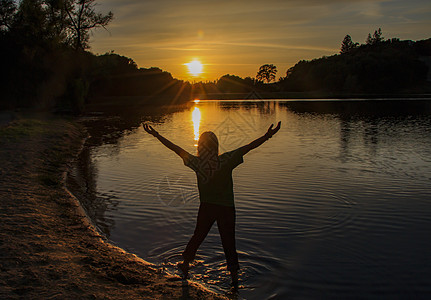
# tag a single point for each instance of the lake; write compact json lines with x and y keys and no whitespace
{"x":337,"y":204}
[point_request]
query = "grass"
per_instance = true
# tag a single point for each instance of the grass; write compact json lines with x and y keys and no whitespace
{"x":21,"y":128}
{"x":58,"y":135}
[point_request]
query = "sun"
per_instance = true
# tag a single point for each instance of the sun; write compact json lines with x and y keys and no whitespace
{"x":195,"y":67}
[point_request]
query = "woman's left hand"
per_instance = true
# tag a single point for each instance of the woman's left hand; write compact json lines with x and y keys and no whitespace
{"x":271,"y":131}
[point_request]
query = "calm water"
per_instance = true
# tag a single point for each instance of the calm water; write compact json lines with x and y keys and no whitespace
{"x":337,"y":204}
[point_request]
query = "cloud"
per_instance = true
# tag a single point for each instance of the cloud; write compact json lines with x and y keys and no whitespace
{"x":227,"y":32}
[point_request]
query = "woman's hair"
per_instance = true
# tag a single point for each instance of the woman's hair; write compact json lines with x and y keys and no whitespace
{"x":207,"y":144}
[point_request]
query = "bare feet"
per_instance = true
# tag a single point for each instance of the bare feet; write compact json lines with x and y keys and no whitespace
{"x":234,"y":276}
{"x":184,"y":268}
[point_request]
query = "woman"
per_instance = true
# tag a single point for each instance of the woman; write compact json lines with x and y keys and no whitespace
{"x":215,"y":184}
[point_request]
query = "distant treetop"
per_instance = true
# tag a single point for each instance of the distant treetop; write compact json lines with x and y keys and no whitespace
{"x":375,"y":38}
{"x":266,"y":73}
{"x":347,"y":45}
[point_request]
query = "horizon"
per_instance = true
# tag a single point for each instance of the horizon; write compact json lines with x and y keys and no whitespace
{"x":235,"y":38}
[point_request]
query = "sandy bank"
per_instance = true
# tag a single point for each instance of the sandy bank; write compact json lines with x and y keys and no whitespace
{"x":48,"y":250}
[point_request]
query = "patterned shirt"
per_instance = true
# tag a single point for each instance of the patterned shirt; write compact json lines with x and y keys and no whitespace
{"x":214,"y":176}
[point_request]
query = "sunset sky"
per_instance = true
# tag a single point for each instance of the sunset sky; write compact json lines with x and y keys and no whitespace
{"x":236,"y":37}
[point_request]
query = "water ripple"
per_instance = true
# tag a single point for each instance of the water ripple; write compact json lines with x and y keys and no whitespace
{"x":333,"y":206}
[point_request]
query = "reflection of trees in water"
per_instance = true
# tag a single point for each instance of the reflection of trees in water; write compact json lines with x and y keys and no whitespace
{"x":351,"y":127}
{"x":371,"y":135}
{"x":107,"y":130}
{"x":82,"y":181}
{"x":242,"y":122}
{"x":263,"y":107}
{"x":110,"y":127}
{"x":361,"y":118}
{"x":361,"y":108}
{"x":344,"y":138}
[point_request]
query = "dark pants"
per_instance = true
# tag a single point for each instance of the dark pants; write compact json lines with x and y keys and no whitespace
{"x":225,"y":217}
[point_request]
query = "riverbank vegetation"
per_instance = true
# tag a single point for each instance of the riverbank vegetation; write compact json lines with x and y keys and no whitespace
{"x":47,"y":65}
{"x":377,"y":68}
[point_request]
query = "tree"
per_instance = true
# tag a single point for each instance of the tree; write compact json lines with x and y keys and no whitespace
{"x":30,"y":22}
{"x":266,"y":73}
{"x":347,"y":45}
{"x":7,"y":14}
{"x":376,"y":38}
{"x":57,"y":19}
{"x":232,"y":84}
{"x":60,"y":21}
{"x":82,"y":18}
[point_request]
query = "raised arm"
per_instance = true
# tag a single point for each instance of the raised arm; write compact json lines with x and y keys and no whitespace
{"x":177,"y":149}
{"x":259,"y":141}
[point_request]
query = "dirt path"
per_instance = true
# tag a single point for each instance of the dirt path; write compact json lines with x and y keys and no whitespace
{"x":47,"y":248}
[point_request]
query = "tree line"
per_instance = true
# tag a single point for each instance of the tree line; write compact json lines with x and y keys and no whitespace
{"x":378,"y":66}
{"x":46,"y":64}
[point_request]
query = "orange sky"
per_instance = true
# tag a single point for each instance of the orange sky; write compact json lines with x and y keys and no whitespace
{"x":236,"y":37}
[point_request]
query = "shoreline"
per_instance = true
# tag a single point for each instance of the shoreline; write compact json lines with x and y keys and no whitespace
{"x":48,"y":246}
{"x":311,"y":95}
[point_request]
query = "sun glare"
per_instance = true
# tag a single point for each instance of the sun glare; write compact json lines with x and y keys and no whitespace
{"x":196,"y":118}
{"x":195,"y":67}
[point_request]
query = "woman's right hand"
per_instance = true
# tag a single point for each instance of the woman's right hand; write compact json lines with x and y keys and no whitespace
{"x":150,"y":130}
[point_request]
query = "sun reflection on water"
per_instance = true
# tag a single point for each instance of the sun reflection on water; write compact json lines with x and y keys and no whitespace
{"x":196,"y":118}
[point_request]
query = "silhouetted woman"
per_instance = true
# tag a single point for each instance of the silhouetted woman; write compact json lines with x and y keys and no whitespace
{"x":214,"y":176}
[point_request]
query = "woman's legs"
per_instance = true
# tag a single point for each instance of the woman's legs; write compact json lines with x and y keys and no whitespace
{"x":226,"y":228}
{"x":205,"y":220}
{"x":207,"y":215}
